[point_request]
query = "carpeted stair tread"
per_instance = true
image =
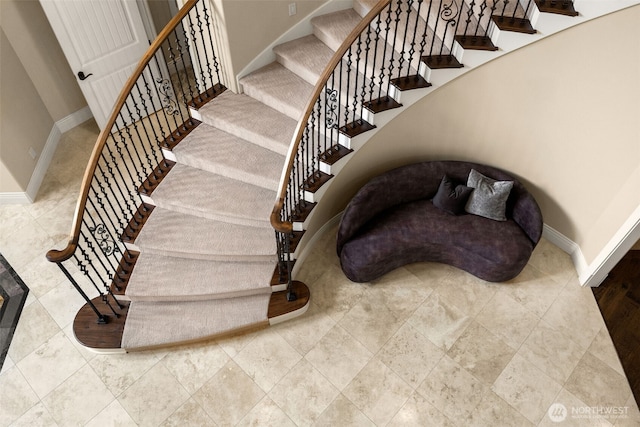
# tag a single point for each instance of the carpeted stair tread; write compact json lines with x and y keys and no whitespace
{"x":333,"y":28}
{"x":279,"y":88}
{"x":251,"y":120}
{"x":362,"y":7}
{"x":213,"y":150}
{"x":306,"y":56}
{"x":176,"y":234}
{"x":197,"y":192}
{"x":164,"y":278}
{"x":154,"y":324}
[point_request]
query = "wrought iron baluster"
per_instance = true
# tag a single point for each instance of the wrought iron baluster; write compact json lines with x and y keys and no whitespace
{"x":150,"y":166}
{"x":372,"y":79}
{"x":355,"y":83}
{"x":202,"y":39}
{"x":348,"y":92}
{"x":391,"y":67}
{"x":209,"y":24}
{"x":449,"y":15}
{"x":102,"y":319}
{"x":193,"y":90}
{"x":199,"y":82}
{"x":384,"y":52}
{"x":412,"y":45}
{"x":365,"y":67}
{"x":155,"y":110}
{"x":147,"y":141}
{"x":166,"y":93}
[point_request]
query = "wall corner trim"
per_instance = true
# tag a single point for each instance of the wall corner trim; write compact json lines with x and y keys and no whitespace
{"x":61,"y":126}
{"x":594,"y":273}
{"x":570,"y":247}
{"x":74,"y":119}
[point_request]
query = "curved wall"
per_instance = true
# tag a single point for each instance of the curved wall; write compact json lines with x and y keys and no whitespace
{"x":562,"y":114}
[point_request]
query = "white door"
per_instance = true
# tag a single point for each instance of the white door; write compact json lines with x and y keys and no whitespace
{"x":103,"y":41}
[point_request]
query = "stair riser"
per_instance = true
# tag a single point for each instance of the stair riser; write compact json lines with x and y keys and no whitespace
{"x":203,"y":297}
{"x":210,"y":257}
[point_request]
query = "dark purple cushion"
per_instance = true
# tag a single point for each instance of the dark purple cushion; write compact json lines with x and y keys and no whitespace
{"x":451,"y":197}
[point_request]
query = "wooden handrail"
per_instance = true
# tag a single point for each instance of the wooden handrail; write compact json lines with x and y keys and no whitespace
{"x":276,"y":221}
{"x":56,"y":255}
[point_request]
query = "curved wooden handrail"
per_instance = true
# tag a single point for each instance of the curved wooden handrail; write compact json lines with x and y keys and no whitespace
{"x":56,"y":255}
{"x":276,"y":221}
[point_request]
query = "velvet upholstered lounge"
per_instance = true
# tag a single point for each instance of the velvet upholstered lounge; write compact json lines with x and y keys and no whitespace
{"x":392,"y":221}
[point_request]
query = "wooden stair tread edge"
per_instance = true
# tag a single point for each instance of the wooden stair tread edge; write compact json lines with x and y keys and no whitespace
{"x":476,"y":42}
{"x":437,"y":62}
{"x":156,"y":177}
{"x":94,"y":335}
{"x":382,"y":104}
{"x":560,"y":7}
{"x":410,"y":82}
{"x":354,"y":129}
{"x":130,"y":234}
{"x":123,"y":272}
{"x":171,"y":141}
{"x":280,"y":307}
{"x":201,"y":99}
{"x":517,"y":25}
{"x":335,"y":153}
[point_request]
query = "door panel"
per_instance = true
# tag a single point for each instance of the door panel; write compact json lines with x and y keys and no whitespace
{"x":103,"y":38}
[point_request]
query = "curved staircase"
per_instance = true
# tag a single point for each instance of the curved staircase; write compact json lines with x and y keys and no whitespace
{"x":204,"y":262}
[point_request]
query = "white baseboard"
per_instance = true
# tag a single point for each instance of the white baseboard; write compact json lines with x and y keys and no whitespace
{"x":14,"y":198}
{"x":568,"y":246}
{"x":72,"y":120}
{"x":593,"y":274}
{"x":43,"y":162}
{"x":63,"y":125}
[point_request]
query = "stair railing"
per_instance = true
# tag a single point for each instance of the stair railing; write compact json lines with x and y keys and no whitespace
{"x":384,"y":52}
{"x":181,"y":69}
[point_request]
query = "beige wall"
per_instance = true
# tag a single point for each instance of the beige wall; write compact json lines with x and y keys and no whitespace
{"x":252,"y":25}
{"x":160,"y":13}
{"x":561,"y":114}
{"x":37,"y":89}
{"x":32,"y":38}
{"x":24,"y":121}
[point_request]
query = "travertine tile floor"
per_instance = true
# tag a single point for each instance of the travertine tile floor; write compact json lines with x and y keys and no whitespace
{"x":426,"y":345}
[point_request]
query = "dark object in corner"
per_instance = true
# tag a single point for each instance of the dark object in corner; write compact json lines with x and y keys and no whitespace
{"x":14,"y":293}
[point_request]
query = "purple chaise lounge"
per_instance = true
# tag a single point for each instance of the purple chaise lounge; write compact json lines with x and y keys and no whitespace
{"x":392,"y":222}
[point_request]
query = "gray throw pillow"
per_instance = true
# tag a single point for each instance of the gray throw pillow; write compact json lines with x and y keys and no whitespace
{"x":489,"y":197}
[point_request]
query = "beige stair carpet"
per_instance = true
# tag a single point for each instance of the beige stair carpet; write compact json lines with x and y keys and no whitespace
{"x":152,"y":324}
{"x":251,"y":120}
{"x":306,"y":56}
{"x":213,"y":150}
{"x":279,"y":88}
{"x":163,"y":278}
{"x":220,"y":198}
{"x":175,"y":234}
{"x":333,"y":28}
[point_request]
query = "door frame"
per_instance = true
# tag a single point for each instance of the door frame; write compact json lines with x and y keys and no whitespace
{"x":621,"y":242}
